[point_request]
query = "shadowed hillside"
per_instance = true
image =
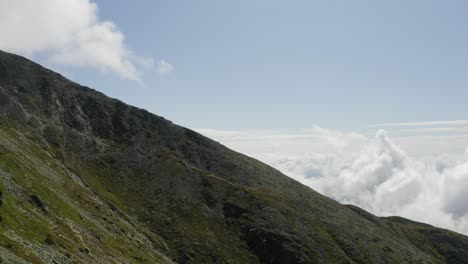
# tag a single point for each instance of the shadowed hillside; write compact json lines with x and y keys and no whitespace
{"x":88,"y":179}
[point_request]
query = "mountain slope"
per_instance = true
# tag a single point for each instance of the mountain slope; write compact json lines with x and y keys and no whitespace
{"x":88,"y":178}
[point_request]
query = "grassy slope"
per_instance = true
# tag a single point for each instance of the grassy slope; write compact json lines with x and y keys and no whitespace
{"x":446,"y":245}
{"x":119,"y":184}
{"x":73,"y":224}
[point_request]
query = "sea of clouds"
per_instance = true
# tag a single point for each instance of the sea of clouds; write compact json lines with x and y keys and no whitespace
{"x":423,"y":176}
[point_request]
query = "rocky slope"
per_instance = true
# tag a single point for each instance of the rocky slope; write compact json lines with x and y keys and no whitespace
{"x":88,"y":179}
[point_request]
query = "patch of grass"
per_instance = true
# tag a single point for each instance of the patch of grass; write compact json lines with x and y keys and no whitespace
{"x":18,"y":249}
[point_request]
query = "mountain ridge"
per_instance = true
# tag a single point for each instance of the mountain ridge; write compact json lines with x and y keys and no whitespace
{"x":168,"y":192}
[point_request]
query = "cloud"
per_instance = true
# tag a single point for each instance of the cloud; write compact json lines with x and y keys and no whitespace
{"x":429,"y":123}
{"x":455,"y":190}
{"x":424,"y":178}
{"x":287,"y":143}
{"x":164,"y":67}
{"x":67,"y":32}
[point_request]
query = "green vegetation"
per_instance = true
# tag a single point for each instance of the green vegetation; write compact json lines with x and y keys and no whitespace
{"x":46,"y":207}
{"x":88,"y":179}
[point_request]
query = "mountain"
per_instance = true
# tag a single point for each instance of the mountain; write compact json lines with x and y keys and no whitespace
{"x":85,"y":178}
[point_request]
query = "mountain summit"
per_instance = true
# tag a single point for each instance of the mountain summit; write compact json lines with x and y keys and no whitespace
{"x":85,"y":178}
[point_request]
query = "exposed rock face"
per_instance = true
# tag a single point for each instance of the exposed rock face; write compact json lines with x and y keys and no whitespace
{"x":88,"y":178}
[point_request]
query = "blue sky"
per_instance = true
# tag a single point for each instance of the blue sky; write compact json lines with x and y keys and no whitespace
{"x":291,"y":64}
{"x":277,"y":64}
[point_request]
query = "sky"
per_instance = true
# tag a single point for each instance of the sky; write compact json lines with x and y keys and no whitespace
{"x":364,"y":101}
{"x":263,"y":64}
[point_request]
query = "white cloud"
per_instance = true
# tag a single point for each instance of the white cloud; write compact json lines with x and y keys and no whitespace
{"x":68,"y":32}
{"x":455,"y":190}
{"x":429,"y":123}
{"x":164,"y":67}
{"x":424,"y":178}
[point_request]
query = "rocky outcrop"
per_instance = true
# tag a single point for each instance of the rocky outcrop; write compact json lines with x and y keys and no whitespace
{"x":108,"y":182}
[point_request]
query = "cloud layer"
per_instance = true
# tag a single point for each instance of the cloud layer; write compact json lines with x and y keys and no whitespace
{"x":373,"y":172}
{"x":67,"y":32}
